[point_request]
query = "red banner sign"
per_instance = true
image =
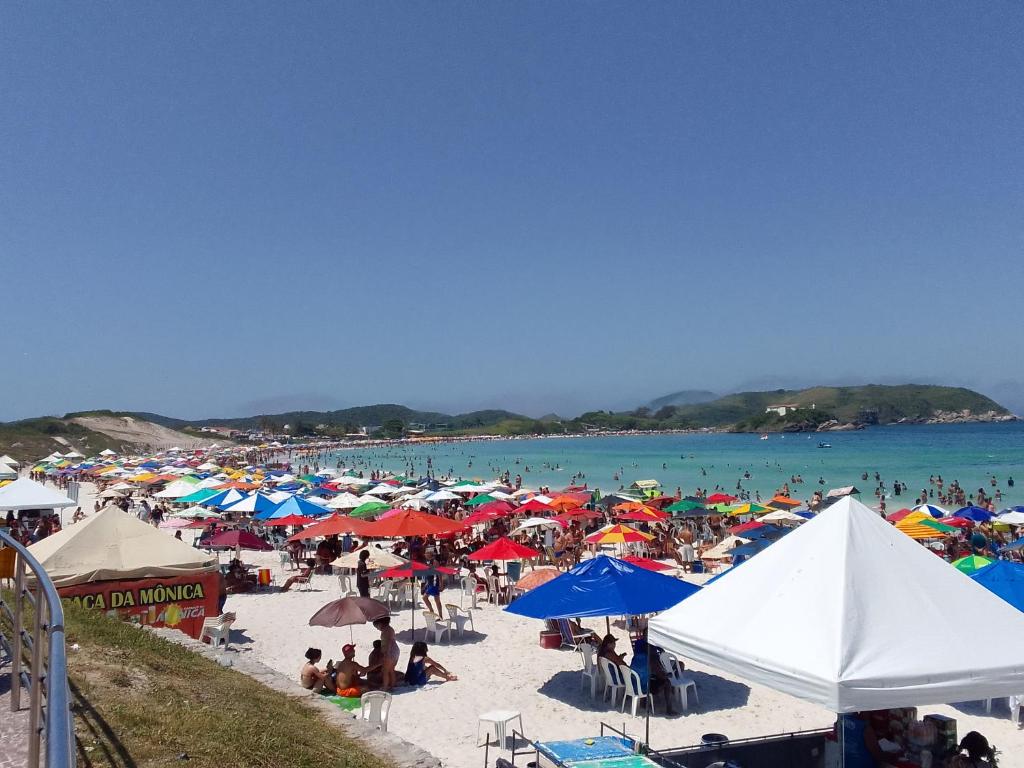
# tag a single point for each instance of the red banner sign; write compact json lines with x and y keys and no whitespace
{"x":181,"y":602}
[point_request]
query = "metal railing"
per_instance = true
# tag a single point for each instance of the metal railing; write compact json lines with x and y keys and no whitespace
{"x":46,"y":676}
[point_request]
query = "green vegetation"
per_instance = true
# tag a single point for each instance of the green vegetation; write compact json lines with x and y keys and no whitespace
{"x":143,"y":701}
{"x":31,"y":439}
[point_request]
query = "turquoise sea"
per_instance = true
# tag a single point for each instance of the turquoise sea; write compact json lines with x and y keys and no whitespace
{"x":969,"y":453}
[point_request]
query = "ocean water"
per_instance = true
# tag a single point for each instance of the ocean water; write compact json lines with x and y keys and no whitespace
{"x":970,"y":453}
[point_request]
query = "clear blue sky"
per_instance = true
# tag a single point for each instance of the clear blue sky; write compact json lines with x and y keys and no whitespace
{"x":215,"y":208}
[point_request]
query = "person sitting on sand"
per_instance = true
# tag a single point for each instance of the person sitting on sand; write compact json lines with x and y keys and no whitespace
{"x":607,"y":651}
{"x":305,"y":574}
{"x":373,"y":666}
{"x":350,"y":677}
{"x":237,"y":580}
{"x":312,"y":678}
{"x":391,"y":652}
{"x":421,"y":667}
{"x":974,"y":752}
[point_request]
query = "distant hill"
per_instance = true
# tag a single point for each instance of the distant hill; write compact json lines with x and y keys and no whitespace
{"x":869,"y":404}
{"x":683,"y":397}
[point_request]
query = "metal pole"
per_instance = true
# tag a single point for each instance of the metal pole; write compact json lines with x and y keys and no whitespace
{"x":16,"y":639}
{"x":35,"y":691}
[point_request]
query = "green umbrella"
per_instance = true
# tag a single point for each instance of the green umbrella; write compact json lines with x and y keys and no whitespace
{"x":971,"y":563}
{"x":369,"y":508}
{"x":483,"y":498}
{"x":198,"y":497}
{"x":685,"y":505}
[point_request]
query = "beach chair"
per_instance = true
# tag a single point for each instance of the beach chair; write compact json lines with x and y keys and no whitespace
{"x":634,"y":690}
{"x":681,"y":684}
{"x":218,"y":629}
{"x":375,"y":708}
{"x":468,"y":592}
{"x":556,"y":561}
{"x":431,"y":624}
{"x":613,"y":684}
{"x":569,"y":638}
{"x":285,"y":557}
{"x":346,"y":585}
{"x":305,"y":582}
{"x":590,"y":671}
{"x":459,"y":618}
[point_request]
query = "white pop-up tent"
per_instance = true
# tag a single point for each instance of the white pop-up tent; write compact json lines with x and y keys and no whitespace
{"x":28,"y":494}
{"x":115,"y":545}
{"x":9,"y":461}
{"x":852,"y":614}
{"x":7,"y":472}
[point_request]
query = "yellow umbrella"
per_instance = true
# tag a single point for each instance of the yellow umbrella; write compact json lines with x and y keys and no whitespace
{"x":618,"y":534}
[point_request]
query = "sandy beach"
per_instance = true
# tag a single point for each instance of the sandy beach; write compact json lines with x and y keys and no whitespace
{"x":501,"y":666}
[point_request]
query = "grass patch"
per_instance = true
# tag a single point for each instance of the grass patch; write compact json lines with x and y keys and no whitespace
{"x":140,"y":700}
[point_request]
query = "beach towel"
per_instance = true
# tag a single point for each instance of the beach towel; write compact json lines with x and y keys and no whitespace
{"x":348,"y":704}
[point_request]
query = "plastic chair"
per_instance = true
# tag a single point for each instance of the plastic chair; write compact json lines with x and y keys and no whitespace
{"x":346,"y":585}
{"x":681,"y":684}
{"x":431,"y":624}
{"x":613,"y":684}
{"x":634,"y":690}
{"x":459,"y":617}
{"x":468,"y":590}
{"x":590,"y":670}
{"x":493,"y":590}
{"x":393,"y":596}
{"x":374,"y":708}
{"x":218,"y":630}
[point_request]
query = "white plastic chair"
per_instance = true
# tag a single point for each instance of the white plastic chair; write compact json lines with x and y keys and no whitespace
{"x":459,"y":618}
{"x":590,"y":670}
{"x":493,"y":590}
{"x":374,"y":708}
{"x":218,"y":630}
{"x":634,"y":690}
{"x":346,"y":585}
{"x":613,"y":684}
{"x":681,"y":684}
{"x":431,"y":624}
{"x":393,"y":596}
{"x":1015,"y":703}
{"x":468,"y":591}
{"x":285,"y":557}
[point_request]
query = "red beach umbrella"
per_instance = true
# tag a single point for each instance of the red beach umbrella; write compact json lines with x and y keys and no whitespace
{"x":411,"y":569}
{"x":646,"y":562}
{"x":721,"y":498}
{"x":645,"y":515}
{"x":290,"y":520}
{"x":753,"y":525}
{"x":411,"y":523}
{"x":534,"y":508}
{"x":332,"y":526}
{"x":898,"y":515}
{"x":504,"y":549}
{"x":239,"y":540}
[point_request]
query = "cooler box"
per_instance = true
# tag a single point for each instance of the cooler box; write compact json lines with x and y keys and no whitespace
{"x":550,"y":639}
{"x":945,"y":733}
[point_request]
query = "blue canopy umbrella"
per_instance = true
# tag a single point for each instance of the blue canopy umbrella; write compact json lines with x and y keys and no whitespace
{"x":765,"y":533}
{"x":222,"y":498}
{"x":1013,"y":546}
{"x":252,"y":504}
{"x":1005,"y":579}
{"x":748,"y":550}
{"x":293,"y":505}
{"x":977,"y":514}
{"x":603,"y":586}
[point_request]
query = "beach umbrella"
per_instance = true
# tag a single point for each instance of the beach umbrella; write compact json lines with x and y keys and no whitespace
{"x":971,"y":563}
{"x":483,"y":498}
{"x":538,"y":522}
{"x":443,"y":495}
{"x":618,"y":534}
{"x":349,"y":611}
{"x":252,"y":504}
{"x":500,"y":508}
{"x":565,"y":502}
{"x":197,"y":512}
{"x":603,"y":586}
{"x":744,"y":528}
{"x":480,"y":517}
{"x":379,"y":558}
{"x":175,"y":522}
{"x":1005,"y":579}
{"x":411,"y":523}
{"x":239,"y":540}
{"x":222,"y":498}
{"x":782,"y":502}
{"x":344,"y":500}
{"x":957,"y":522}
{"x":749,"y":549}
{"x":976,"y":514}
{"x":721,"y":498}
{"x":630,"y":506}
{"x":577,"y":514}
{"x":197,"y":497}
{"x":749,"y":508}
{"x":645,"y":515}
{"x":920,"y":525}
{"x":534,"y":507}
{"x":684,"y":505}
{"x":932,"y":510}
{"x":504,"y":549}
{"x":330,"y":526}
{"x":782,"y":516}
{"x":411,"y":569}
{"x":293,"y":505}
{"x":646,"y":562}
{"x":898,"y":515}
{"x":1013,"y":517}
{"x":536,"y":577}
{"x":290,"y":520}
{"x":766,"y":532}
{"x":369,"y":509}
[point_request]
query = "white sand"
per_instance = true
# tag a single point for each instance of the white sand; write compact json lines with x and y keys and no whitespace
{"x":502,"y":667}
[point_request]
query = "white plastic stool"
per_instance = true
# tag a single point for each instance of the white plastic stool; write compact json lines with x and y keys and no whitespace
{"x":499,"y":719}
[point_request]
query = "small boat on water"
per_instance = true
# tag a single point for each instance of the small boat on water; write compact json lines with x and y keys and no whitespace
{"x":824,"y":445}
{"x":764,"y":437}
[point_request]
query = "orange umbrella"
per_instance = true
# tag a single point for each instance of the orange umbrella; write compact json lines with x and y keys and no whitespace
{"x":783,"y":502}
{"x":645,"y":515}
{"x":565,"y":502}
{"x":237,"y":485}
{"x":534,"y":579}
{"x":409,"y":522}
{"x":630,"y":506}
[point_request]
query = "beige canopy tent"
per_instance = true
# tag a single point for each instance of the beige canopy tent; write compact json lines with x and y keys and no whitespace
{"x":115,"y":545}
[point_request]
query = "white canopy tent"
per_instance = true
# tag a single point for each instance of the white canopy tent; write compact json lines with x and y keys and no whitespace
{"x":9,"y":461}
{"x":176,"y":490}
{"x":28,"y":494}
{"x":852,"y":614}
{"x":115,"y":545}
{"x":7,"y":472}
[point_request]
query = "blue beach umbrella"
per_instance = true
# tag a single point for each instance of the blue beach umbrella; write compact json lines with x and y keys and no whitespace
{"x":932,"y":510}
{"x":1005,"y":579}
{"x":976,"y":514}
{"x":293,"y":505}
{"x":223,"y":498}
{"x":251,"y":504}
{"x":603,"y":586}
